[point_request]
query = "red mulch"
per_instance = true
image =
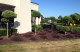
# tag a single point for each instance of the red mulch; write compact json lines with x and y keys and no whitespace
{"x":44,"y":35}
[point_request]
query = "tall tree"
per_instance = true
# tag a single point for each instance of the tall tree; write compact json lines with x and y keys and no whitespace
{"x":67,"y":20}
{"x":60,"y":17}
{"x":35,"y":14}
{"x":75,"y":17}
{"x":7,"y":14}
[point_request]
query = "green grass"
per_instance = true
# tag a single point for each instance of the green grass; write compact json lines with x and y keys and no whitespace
{"x":47,"y":46}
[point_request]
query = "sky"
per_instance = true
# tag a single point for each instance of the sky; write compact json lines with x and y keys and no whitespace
{"x":58,"y":7}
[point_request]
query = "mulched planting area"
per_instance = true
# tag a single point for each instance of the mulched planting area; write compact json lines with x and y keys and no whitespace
{"x":44,"y":35}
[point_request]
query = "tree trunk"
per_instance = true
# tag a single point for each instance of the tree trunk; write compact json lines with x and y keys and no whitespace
{"x":38,"y":21}
{"x":65,"y":33}
{"x":68,"y":22}
{"x":35,"y":24}
{"x":72,"y":26}
{"x":7,"y":30}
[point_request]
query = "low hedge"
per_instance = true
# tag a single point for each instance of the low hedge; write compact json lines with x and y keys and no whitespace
{"x":38,"y":28}
{"x":76,"y":29}
{"x":3,"y":32}
{"x":67,"y":28}
{"x":62,"y":28}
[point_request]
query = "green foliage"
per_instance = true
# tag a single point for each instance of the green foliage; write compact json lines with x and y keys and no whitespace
{"x":35,"y":14}
{"x":33,"y":27}
{"x":52,"y":18}
{"x":62,"y":28}
{"x":59,"y":21}
{"x":59,"y":27}
{"x":38,"y":28}
{"x":44,"y":21}
{"x":67,"y":20}
{"x":60,"y":17}
{"x":3,"y":32}
{"x":4,"y":20}
{"x":9,"y":14}
{"x":76,"y":29}
{"x":65,"y":28}
{"x":75,"y":16}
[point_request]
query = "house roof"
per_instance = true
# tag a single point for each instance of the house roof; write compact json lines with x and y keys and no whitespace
{"x":34,"y":3}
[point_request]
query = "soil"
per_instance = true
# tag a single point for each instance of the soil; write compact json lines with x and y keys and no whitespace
{"x":44,"y":35}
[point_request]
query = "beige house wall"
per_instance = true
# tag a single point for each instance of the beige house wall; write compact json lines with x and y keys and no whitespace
{"x":23,"y":10}
{"x":36,"y":7}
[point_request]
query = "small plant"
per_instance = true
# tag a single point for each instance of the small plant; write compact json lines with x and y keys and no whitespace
{"x":76,"y":29}
{"x":65,"y":29}
{"x":39,"y":28}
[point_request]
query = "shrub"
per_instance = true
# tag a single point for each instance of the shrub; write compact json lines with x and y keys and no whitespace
{"x":38,"y":28}
{"x":70,"y":28}
{"x":3,"y":32}
{"x":62,"y":28}
{"x":76,"y":29}
{"x":65,"y":28}
{"x":59,"y":27}
{"x":33,"y":27}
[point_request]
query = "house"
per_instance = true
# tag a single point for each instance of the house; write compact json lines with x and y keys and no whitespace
{"x":23,"y":10}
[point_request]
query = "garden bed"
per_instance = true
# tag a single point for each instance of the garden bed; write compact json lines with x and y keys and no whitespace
{"x":44,"y":35}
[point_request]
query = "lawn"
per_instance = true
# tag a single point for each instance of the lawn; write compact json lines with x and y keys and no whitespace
{"x":47,"y":46}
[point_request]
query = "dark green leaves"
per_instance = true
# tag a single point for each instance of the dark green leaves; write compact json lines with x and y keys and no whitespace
{"x":9,"y":14}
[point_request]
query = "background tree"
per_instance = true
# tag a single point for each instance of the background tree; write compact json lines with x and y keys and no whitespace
{"x":52,"y":18}
{"x":75,"y":17}
{"x":60,"y":17}
{"x":67,"y":20}
{"x":35,"y":14}
{"x":7,"y":14}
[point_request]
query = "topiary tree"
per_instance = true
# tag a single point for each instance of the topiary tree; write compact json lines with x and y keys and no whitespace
{"x":75,"y":17}
{"x":7,"y":14}
{"x":52,"y":18}
{"x":35,"y":14}
{"x":67,"y":20}
{"x":65,"y":29}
